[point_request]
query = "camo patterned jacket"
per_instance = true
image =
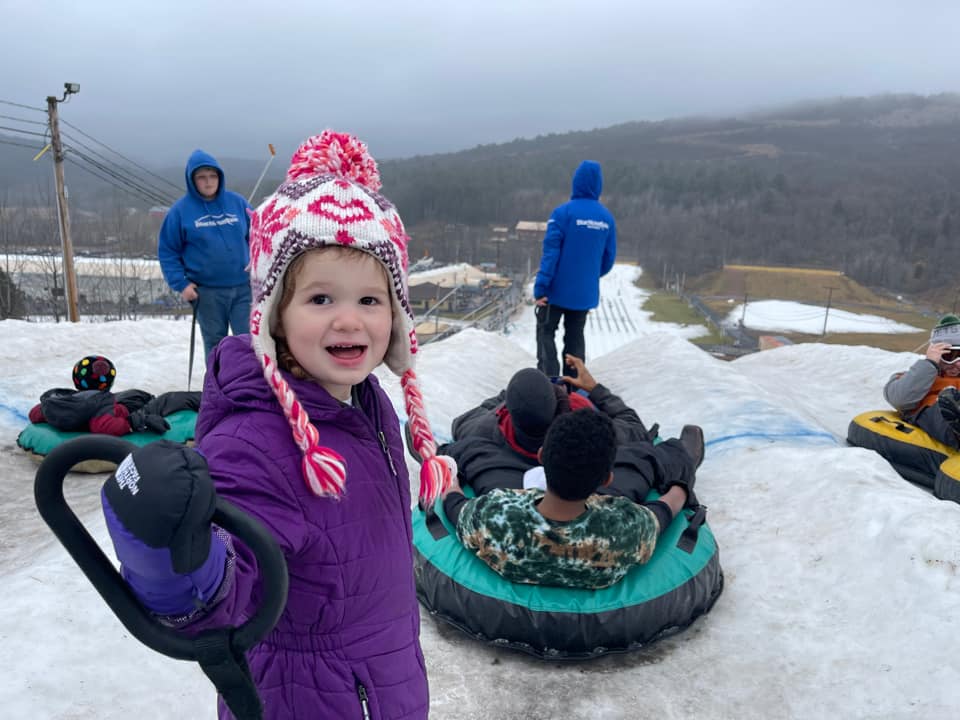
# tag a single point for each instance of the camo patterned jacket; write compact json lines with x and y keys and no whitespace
{"x":595,"y":550}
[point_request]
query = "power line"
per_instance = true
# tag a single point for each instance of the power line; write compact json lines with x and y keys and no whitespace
{"x":25,"y":107}
{"x":123,"y":171}
{"x":124,"y":188}
{"x":10,"y":142}
{"x":144,"y":190}
{"x":141,"y":167}
{"x":25,"y":132}
{"x":23,"y":120}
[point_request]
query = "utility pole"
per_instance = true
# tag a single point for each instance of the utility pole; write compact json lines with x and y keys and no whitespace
{"x":69,"y":274}
{"x":827,"y":313}
{"x":743,"y":315}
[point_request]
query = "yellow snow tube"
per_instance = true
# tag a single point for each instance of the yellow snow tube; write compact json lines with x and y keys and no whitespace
{"x":914,"y":454}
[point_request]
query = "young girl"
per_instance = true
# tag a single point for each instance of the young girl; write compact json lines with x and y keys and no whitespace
{"x":297,"y":432}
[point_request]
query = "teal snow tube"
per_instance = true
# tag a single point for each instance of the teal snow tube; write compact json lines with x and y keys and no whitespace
{"x":40,"y":438}
{"x":680,"y":583}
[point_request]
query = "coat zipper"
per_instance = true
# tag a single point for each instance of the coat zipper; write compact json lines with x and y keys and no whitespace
{"x":380,"y":436}
{"x":386,"y":451}
{"x":364,"y":705}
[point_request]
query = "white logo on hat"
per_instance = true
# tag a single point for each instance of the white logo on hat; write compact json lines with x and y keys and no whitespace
{"x":128,"y":476}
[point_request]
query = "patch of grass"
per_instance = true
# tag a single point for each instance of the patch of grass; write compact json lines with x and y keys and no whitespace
{"x":899,"y":342}
{"x":895,"y":342}
{"x":723,"y":290}
{"x":785,"y":284}
{"x":646,"y":281}
{"x":672,"y":309}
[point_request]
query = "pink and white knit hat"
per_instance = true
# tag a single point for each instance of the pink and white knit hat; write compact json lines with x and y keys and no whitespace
{"x":330,"y":198}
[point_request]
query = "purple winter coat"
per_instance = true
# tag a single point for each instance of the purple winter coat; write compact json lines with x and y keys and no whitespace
{"x":351,"y":617}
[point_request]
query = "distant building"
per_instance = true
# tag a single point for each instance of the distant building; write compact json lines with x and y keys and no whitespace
{"x":529,"y":243}
{"x":424,"y":296}
{"x":529,"y":230}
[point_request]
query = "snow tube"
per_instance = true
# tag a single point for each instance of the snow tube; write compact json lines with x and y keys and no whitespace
{"x":680,"y":583}
{"x":39,"y":439}
{"x":912,"y":452}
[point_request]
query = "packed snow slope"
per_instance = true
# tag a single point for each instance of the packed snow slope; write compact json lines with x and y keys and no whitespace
{"x":794,"y":317}
{"x":842,"y":594}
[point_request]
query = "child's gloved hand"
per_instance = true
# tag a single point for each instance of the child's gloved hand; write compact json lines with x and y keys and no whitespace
{"x":158,"y":506}
{"x":141,"y":421}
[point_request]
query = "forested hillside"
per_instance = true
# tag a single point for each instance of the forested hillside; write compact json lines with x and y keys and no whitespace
{"x":866,"y":186}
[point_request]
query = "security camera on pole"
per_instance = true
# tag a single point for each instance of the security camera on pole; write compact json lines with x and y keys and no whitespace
{"x":63,"y":214}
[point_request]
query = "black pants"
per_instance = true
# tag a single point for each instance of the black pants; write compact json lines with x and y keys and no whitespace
{"x":641,"y":467}
{"x":931,"y":421}
{"x":548,"y":319}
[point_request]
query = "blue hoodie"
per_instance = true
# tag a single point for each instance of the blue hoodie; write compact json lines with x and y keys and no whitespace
{"x":205,"y":241}
{"x":579,"y":246}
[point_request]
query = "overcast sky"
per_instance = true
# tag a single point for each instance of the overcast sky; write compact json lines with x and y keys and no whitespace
{"x":413,"y":77}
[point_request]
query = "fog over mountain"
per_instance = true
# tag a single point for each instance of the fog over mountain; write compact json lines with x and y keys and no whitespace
{"x":428,"y":76}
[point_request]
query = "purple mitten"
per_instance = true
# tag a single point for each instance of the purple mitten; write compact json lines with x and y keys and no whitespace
{"x":158,"y":506}
{"x":150,"y":574}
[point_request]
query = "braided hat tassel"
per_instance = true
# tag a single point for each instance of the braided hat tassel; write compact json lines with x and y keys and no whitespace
{"x":324,"y":470}
{"x":436,"y":472}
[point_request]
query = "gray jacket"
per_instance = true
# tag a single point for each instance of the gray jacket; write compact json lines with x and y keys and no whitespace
{"x":905,"y":390}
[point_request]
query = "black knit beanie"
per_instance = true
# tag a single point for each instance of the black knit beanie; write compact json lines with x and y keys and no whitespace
{"x":532,"y":403}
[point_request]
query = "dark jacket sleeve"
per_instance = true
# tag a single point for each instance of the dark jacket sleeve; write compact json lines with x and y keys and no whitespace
{"x":477,"y":421}
{"x":133,"y":399}
{"x":486,"y":464}
{"x":628,"y":424}
{"x":171,"y":402}
{"x":72,"y":411}
{"x":452,"y":505}
{"x":663,"y":513}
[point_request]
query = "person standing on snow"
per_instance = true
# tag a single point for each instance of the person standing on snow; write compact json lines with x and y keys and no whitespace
{"x":296,"y":430}
{"x":579,"y":248}
{"x":204,"y":251}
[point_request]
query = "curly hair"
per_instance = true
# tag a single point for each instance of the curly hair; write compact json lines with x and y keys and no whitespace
{"x":578,"y":453}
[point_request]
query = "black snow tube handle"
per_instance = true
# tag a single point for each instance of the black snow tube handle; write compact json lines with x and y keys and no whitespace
{"x":221,"y":651}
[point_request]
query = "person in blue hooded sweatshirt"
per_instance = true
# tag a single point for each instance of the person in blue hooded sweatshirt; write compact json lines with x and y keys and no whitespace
{"x":204,"y":251}
{"x":579,"y":248}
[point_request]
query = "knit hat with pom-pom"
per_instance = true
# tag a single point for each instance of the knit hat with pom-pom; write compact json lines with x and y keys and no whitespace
{"x":330,"y":198}
{"x":94,"y":372}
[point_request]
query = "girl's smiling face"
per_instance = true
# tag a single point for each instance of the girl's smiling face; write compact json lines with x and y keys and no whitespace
{"x":337,"y":324}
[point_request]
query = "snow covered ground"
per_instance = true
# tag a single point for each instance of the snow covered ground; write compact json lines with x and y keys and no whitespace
{"x":788,"y":316}
{"x":842,"y":595}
